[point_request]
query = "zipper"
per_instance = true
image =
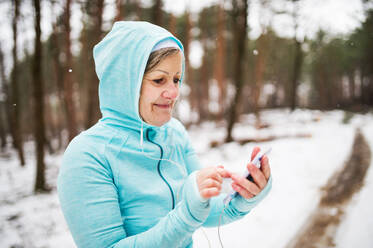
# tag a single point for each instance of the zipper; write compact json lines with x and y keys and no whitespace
{"x":159,"y":168}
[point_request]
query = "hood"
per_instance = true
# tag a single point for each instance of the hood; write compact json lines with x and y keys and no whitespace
{"x":120,"y":61}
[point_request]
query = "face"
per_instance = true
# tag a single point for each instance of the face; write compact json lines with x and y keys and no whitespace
{"x":160,"y":90}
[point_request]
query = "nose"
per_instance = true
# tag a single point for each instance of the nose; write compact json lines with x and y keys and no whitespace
{"x":171,"y":90}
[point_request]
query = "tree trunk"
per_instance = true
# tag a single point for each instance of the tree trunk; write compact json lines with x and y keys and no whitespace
{"x":93,"y":111}
{"x":203,"y":86}
{"x":6,"y":92}
{"x":351,"y":86}
{"x":259,"y":75}
{"x":59,"y":75}
{"x":2,"y":128}
{"x":157,"y":12}
{"x":119,"y":10}
{"x":219,"y":70}
{"x":68,"y":76}
{"x":16,"y":129}
{"x":3,"y":106}
{"x":188,"y":27}
{"x":50,"y":121}
{"x":38,"y":96}
{"x":172,"y":24}
{"x":193,"y":95}
{"x":138,"y":9}
{"x":240,"y":11}
{"x":298,"y":60}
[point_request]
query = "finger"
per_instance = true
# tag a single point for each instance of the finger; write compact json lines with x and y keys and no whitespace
{"x":257,"y":175}
{"x":224,"y":173}
{"x":255,"y":151}
{"x":216,"y":175}
{"x":209,"y":192}
{"x":212,"y":172}
{"x":243,"y":192}
{"x":210,"y":183}
{"x":265,"y":167}
{"x":246,"y":184}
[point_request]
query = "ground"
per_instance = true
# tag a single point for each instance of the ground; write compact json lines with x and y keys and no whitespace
{"x":321,"y":227}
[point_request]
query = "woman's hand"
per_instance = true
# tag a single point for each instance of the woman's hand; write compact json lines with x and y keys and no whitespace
{"x":209,"y":180}
{"x":246,"y":188}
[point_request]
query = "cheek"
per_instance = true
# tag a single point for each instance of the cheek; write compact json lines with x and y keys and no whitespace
{"x":145,"y":101}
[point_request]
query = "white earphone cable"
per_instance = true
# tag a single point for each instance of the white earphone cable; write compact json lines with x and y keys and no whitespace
{"x":173,"y":162}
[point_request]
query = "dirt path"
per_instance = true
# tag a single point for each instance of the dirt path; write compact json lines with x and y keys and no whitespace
{"x":321,"y":227}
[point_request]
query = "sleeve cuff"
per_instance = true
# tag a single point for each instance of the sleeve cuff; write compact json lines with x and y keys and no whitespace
{"x":195,"y":187}
{"x":246,"y":205}
{"x":198,"y":206}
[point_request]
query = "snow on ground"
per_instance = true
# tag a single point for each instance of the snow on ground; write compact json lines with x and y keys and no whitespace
{"x":29,"y":220}
{"x":300,"y":167}
{"x":357,"y":227}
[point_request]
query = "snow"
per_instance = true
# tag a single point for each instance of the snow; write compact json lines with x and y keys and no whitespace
{"x":300,"y":168}
{"x":357,"y":227}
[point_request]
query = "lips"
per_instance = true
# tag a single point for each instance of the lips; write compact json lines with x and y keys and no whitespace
{"x":163,"y":106}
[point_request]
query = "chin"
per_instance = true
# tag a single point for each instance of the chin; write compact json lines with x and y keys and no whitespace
{"x":162,"y":122}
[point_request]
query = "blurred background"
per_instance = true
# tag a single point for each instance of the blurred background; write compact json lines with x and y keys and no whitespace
{"x":248,"y":62}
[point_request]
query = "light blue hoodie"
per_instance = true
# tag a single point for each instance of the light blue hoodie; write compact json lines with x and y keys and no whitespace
{"x":116,"y":191}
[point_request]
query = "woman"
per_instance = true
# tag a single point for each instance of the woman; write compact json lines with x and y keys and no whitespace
{"x":133,"y":179}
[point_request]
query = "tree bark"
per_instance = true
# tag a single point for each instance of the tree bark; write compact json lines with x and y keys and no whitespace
{"x":38,"y":95}
{"x":172,"y":24}
{"x":259,"y":75}
{"x":240,"y":11}
{"x":203,"y":86}
{"x":119,"y":10}
{"x":2,"y":128}
{"x":16,"y":129}
{"x":138,"y":9}
{"x":188,"y":28}
{"x":351,"y":86}
{"x":59,"y":77}
{"x":3,"y":105}
{"x":93,"y":111}
{"x":219,"y":70}
{"x":68,"y":76}
{"x":157,"y":12}
{"x":298,"y":60}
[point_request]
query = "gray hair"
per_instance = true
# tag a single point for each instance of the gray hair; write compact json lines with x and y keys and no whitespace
{"x":157,"y":56}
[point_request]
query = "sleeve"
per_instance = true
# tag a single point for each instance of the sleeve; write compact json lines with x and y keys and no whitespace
{"x":237,"y":208}
{"x":89,"y":202}
{"x":219,"y":213}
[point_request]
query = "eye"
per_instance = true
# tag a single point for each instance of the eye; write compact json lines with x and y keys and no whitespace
{"x":158,"y":81}
{"x":176,"y":80}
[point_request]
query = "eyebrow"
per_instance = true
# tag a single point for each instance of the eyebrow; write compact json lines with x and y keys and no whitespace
{"x":166,"y":72}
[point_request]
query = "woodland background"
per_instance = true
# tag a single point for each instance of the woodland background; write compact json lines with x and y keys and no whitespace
{"x":49,"y":89}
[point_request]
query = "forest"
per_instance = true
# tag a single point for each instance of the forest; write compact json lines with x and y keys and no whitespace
{"x":50,"y":93}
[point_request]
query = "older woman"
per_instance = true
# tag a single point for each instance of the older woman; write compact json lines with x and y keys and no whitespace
{"x":133,"y":179}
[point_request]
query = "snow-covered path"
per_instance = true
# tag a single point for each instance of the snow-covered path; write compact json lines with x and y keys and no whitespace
{"x":300,"y":166}
{"x":357,"y":228}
